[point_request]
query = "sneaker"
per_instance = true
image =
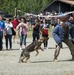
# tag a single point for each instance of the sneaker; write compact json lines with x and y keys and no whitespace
{"x":47,"y":48}
{"x":20,"y":48}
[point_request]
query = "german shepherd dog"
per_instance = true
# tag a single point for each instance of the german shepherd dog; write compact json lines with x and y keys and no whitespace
{"x":25,"y":54}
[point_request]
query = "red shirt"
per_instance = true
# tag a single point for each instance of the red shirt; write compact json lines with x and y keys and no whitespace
{"x":15,"y":23}
{"x":44,"y":31}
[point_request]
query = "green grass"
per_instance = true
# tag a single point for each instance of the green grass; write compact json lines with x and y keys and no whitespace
{"x":50,"y":31}
{"x":29,"y":33}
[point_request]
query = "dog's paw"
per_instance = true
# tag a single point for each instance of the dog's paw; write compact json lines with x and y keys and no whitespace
{"x":20,"y":62}
{"x":24,"y":61}
{"x":55,"y":60}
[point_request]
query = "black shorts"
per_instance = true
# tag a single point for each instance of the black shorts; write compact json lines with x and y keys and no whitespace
{"x":44,"y":35}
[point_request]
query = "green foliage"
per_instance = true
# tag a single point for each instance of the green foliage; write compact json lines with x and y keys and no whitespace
{"x":33,"y":6}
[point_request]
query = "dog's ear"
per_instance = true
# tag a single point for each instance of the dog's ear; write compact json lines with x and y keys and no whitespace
{"x":45,"y":38}
{"x":40,"y":40}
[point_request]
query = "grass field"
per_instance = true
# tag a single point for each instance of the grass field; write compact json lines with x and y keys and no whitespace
{"x":29,"y":34}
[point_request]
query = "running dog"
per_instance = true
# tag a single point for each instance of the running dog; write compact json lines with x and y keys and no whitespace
{"x":25,"y":54}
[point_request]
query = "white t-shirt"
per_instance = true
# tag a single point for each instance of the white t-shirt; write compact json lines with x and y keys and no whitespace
{"x":8,"y":28}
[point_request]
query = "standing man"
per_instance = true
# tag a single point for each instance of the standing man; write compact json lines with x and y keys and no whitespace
{"x":2,"y":27}
{"x":58,"y":35}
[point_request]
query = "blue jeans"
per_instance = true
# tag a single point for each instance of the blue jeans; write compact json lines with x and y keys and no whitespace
{"x":8,"y":37}
{"x":23,"y":39}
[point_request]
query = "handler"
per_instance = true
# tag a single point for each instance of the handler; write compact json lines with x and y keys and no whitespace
{"x":58,"y":35}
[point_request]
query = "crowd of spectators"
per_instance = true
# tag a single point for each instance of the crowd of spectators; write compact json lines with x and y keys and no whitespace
{"x":18,"y":28}
{"x":11,"y":29}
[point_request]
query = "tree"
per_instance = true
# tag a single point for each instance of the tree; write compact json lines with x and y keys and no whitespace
{"x":33,"y":6}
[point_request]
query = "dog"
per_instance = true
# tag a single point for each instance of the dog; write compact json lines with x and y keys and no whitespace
{"x":35,"y":46}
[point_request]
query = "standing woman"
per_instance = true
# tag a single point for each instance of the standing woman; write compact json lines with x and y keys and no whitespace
{"x":36,"y":30}
{"x":45,"y":28}
{"x":22,"y":27}
{"x":8,"y":35}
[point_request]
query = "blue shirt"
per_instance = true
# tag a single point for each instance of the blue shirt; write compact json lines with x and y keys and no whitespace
{"x":2,"y":26}
{"x":47,"y":25}
{"x":58,"y":34}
